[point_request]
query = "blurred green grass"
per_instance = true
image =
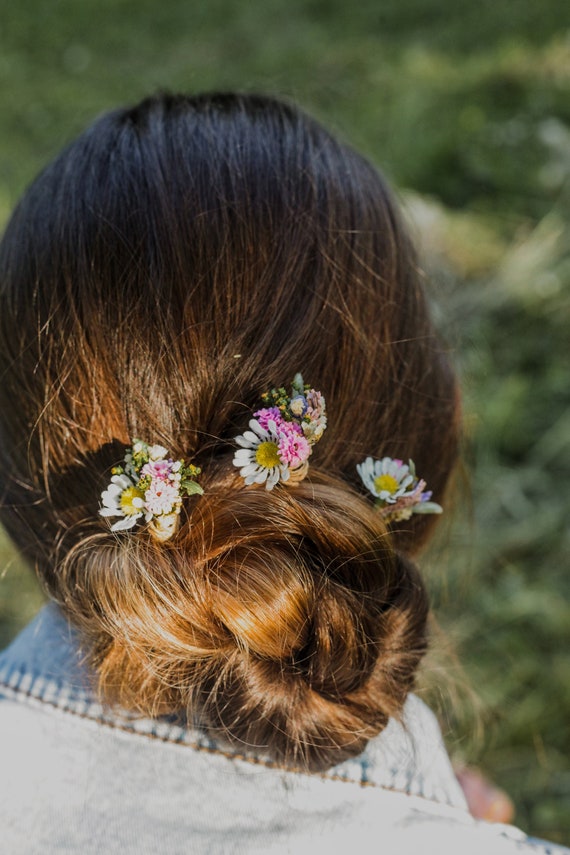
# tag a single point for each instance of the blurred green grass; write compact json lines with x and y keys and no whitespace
{"x":466,"y":108}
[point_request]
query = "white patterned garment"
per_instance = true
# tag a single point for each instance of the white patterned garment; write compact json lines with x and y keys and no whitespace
{"x":77,"y":779}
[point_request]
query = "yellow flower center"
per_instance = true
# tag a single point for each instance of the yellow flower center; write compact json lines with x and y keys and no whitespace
{"x":386,"y":482}
{"x":127,"y":498}
{"x":267,"y":455}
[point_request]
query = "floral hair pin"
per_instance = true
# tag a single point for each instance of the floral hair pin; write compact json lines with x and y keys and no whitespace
{"x":280,"y":440}
{"x":149,"y":485}
{"x":399,"y":492}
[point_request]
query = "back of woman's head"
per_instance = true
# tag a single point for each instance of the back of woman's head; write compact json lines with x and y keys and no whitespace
{"x":172,"y":264}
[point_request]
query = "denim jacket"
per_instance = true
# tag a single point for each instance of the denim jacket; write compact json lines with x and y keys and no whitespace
{"x":77,"y":778}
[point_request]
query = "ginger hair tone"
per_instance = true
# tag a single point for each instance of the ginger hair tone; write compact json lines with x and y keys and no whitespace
{"x":177,"y":260}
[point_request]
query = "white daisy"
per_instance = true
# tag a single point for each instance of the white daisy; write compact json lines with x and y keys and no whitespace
{"x":122,"y":498}
{"x":387,"y":479}
{"x":258,"y":456}
{"x":149,"y":485}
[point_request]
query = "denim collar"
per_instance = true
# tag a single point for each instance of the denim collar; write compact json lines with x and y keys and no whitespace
{"x":45,"y":666}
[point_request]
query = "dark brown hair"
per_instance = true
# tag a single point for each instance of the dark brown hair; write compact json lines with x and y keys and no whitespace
{"x":177,"y":260}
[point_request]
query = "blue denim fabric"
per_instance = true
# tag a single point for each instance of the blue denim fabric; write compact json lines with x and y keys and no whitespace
{"x":77,"y":778}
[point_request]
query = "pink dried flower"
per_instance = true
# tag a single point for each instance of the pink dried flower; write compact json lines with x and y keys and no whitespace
{"x":161,"y":469}
{"x":294,"y":449}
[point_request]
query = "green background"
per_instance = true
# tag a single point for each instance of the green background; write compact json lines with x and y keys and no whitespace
{"x":466,"y":108}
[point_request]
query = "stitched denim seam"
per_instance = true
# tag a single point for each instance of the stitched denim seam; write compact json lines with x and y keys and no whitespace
{"x":77,"y":702}
{"x":18,"y":677}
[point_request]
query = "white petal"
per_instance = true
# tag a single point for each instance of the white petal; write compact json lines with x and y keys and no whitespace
{"x":114,"y":509}
{"x":252,"y":442}
{"x":273,"y":479}
{"x":257,"y":429}
{"x":240,"y":463}
{"x":110,"y":512}
{"x":244,"y":454}
{"x":366,"y":469}
{"x":261,"y":476}
{"x":127,"y":522}
{"x":157,"y":452}
{"x":113,"y":490}
{"x":122,"y":481}
{"x":249,"y":469}
{"x":252,"y":437}
{"x":392,"y":468}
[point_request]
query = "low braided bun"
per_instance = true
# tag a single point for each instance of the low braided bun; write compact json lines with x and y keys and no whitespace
{"x":280,"y":619}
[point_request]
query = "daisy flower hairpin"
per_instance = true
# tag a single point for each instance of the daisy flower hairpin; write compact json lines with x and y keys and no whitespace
{"x":281,"y":436}
{"x":149,"y":487}
{"x":398,"y":491}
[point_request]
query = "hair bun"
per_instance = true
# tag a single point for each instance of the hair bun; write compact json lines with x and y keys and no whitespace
{"x":282,"y":620}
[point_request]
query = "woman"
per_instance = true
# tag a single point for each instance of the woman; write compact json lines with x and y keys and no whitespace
{"x":237,"y":618}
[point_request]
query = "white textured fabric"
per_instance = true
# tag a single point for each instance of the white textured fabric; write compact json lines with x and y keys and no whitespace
{"x":77,"y":779}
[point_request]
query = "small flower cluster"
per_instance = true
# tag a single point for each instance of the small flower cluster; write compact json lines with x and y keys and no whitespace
{"x":281,"y":436}
{"x":398,"y":491}
{"x":151,"y":485}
